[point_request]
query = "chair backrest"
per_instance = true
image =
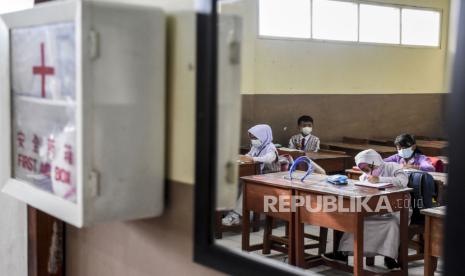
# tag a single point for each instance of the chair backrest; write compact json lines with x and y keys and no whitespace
{"x":424,"y":189}
{"x":285,"y":161}
{"x":437,"y":163}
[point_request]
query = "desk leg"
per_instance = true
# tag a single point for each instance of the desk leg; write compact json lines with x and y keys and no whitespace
{"x":300,"y":246}
{"x":358,"y":247}
{"x":427,"y":254}
{"x":266,"y":235}
{"x":337,"y":235}
{"x":323,"y":240}
{"x":403,"y":252}
{"x":292,"y":240}
{"x":245,"y":220}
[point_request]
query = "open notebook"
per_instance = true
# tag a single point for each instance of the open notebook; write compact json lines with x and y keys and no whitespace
{"x":379,"y":185}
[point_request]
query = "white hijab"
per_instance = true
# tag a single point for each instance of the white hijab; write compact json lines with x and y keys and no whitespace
{"x":370,"y":157}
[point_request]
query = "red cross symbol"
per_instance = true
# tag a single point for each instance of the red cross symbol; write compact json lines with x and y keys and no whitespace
{"x":43,"y":70}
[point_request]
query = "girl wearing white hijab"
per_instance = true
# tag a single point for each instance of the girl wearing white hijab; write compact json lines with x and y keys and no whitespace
{"x":262,"y":151}
{"x":381,"y":232}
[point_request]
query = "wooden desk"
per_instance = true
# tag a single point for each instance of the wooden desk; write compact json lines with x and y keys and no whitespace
{"x":349,"y":221}
{"x":276,"y":184}
{"x":382,"y":141}
{"x":331,"y":161}
{"x":254,"y":189}
{"x":440,"y":180}
{"x":248,"y":168}
{"x":434,"y":221}
{"x":353,"y":149}
{"x":433,"y":147}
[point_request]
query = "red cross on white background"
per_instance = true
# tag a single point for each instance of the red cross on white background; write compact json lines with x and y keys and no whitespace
{"x":43,"y":70}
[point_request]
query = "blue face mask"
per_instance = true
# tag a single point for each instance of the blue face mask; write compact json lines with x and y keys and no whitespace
{"x":405,"y":153}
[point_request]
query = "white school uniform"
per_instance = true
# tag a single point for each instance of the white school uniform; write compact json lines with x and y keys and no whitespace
{"x":381,"y":232}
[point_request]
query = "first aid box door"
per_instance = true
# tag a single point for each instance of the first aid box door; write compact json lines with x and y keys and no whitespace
{"x":82,"y":110}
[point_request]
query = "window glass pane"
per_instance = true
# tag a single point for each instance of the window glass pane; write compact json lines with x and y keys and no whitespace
{"x":284,"y":18}
{"x":379,"y":24}
{"x":420,"y":27}
{"x":15,"y":5}
{"x":334,"y":20}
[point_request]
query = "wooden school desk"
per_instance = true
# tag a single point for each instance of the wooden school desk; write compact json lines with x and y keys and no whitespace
{"x":352,"y":221}
{"x":254,"y":189}
{"x":440,"y":180}
{"x":330,"y":160}
{"x":434,"y":221}
{"x":275,"y":184}
{"x":353,"y":149}
{"x":432,"y":148}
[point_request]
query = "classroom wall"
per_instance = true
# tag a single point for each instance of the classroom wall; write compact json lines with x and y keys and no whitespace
{"x":286,"y":66}
{"x":399,"y":89}
{"x":335,"y":116}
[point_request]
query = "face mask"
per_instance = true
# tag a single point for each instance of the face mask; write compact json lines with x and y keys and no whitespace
{"x":306,"y":131}
{"x":405,"y":153}
{"x":256,"y":143}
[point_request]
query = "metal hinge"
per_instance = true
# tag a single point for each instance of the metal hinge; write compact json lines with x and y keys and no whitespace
{"x":94,"y":184}
{"x":94,"y":44}
{"x":231,"y":172}
{"x":234,"y":47}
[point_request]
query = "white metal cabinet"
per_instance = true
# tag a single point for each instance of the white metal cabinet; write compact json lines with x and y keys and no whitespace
{"x":82,"y":88}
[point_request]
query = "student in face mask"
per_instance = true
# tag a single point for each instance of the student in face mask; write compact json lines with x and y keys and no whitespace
{"x":305,"y":140}
{"x":409,"y":155}
{"x":262,"y":151}
{"x":381,"y":232}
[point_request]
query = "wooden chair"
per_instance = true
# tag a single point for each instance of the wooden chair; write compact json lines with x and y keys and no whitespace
{"x":281,"y":243}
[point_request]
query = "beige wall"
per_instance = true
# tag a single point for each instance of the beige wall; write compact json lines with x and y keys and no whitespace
{"x":276,"y":66}
{"x":180,"y":85}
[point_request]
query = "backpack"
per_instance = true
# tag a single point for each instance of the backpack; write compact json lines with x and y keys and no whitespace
{"x":424,"y":189}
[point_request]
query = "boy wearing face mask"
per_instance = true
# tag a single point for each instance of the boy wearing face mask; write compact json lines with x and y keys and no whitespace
{"x":305,"y":141}
{"x":409,"y":156}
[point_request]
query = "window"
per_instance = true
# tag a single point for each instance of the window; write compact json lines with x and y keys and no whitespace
{"x":420,"y":27}
{"x":349,"y":21}
{"x":7,"y":6}
{"x":290,"y":18}
{"x":334,"y":20}
{"x":379,"y":24}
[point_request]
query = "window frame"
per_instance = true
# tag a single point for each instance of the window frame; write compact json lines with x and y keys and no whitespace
{"x":358,"y":42}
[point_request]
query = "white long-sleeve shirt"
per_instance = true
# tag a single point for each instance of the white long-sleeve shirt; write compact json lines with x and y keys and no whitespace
{"x":391,"y":173}
{"x":268,"y":158}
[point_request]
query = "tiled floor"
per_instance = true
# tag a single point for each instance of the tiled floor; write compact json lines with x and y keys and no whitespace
{"x":233,"y":240}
